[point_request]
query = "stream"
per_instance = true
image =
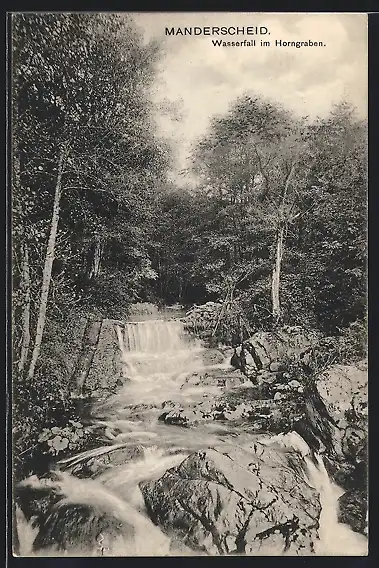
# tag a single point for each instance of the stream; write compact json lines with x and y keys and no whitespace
{"x":157,"y":358}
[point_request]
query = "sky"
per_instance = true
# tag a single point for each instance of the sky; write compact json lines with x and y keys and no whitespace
{"x":203,"y":80}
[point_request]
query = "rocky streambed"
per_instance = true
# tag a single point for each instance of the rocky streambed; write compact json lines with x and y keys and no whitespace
{"x":217,"y":460}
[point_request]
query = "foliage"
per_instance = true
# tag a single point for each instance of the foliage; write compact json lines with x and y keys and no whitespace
{"x":35,"y":408}
{"x":245,"y":161}
{"x":72,"y":437}
{"x":88,"y":92}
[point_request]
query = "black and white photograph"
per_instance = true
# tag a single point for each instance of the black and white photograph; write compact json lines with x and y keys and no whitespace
{"x":189,"y":310}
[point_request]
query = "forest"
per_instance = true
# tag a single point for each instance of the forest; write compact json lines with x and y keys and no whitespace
{"x":272,"y":233}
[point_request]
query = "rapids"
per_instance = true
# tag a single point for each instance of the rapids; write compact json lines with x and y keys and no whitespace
{"x":157,"y":357}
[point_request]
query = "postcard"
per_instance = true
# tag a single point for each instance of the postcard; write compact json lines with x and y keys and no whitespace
{"x":189,"y":293}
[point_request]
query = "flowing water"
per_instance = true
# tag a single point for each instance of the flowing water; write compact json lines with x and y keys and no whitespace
{"x":157,"y":358}
{"x":336,"y":538}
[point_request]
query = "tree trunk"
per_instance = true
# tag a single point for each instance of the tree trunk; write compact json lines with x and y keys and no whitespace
{"x":275,"y":285}
{"x":96,"y":265}
{"x":89,"y":345}
{"x":25,"y":278}
{"x":49,"y":259}
{"x":25,"y":342}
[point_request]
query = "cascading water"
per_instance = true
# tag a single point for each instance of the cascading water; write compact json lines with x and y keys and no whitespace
{"x":157,"y":357}
{"x":336,"y":538}
{"x":156,"y":347}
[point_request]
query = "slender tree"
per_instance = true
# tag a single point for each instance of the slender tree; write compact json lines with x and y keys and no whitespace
{"x":253,"y":161}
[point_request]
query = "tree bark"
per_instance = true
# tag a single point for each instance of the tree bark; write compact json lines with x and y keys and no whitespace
{"x":25,"y":342}
{"x":49,"y":259}
{"x":89,"y":345}
{"x":96,"y":265}
{"x":25,"y":277}
{"x":275,"y":285}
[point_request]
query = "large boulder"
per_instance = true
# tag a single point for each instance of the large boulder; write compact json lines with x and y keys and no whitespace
{"x":352,"y":510}
{"x":344,"y":390}
{"x":271,"y":347}
{"x":229,"y":500}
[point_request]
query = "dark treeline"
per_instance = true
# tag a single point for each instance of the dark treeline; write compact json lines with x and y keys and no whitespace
{"x":276,"y":222}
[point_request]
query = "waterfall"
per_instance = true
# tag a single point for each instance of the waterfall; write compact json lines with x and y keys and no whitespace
{"x":154,"y":347}
{"x":153,"y":336}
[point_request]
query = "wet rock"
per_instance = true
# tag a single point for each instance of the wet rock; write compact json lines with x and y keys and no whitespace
{"x":354,"y":443}
{"x":228,"y":500}
{"x":213,"y":357}
{"x":246,"y":393}
{"x":267,"y":377}
{"x":342,"y":473}
{"x":276,"y":367}
{"x":352,"y":510}
{"x":205,"y":407}
{"x":83,"y":518}
{"x":141,"y":407}
{"x":167,"y":404}
{"x":277,"y":422}
{"x":95,"y":466}
{"x":193,"y":379}
{"x":240,"y":403}
{"x":234,"y":381}
{"x":219,"y":377}
{"x":175,"y":418}
{"x":240,"y":411}
{"x":183,"y":417}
